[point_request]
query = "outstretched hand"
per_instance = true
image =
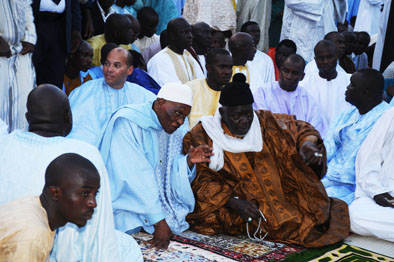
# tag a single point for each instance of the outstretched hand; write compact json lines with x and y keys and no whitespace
{"x":161,"y":236}
{"x":311,"y":154}
{"x":384,"y":200}
{"x":199,"y":154}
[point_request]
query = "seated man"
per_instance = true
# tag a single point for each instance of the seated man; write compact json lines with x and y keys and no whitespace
{"x":206,"y":92}
{"x":150,"y":179}
{"x":77,"y":68}
{"x":345,"y":61}
{"x":360,"y":58}
{"x":202,"y":35}
{"x":287,"y":97}
{"x":261,"y":61}
{"x":174,"y":64}
{"x":347,"y":133}
{"x":242,"y":49}
{"x":49,"y":118}
{"x":218,"y":39}
{"x":69,"y":195}
{"x":148,"y":19}
{"x":372,"y":211}
{"x":340,"y":43}
{"x":94,"y":102}
{"x":118,"y":30}
{"x":327,"y":86}
{"x":265,"y":168}
{"x":285,"y":48}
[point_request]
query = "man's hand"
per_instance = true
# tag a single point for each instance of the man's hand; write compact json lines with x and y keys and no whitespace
{"x":246,"y":209}
{"x":4,"y":48}
{"x":384,"y":200}
{"x":311,"y":154}
{"x":161,"y":236}
{"x":199,"y":154}
{"x":75,"y":40}
{"x":27,"y":48}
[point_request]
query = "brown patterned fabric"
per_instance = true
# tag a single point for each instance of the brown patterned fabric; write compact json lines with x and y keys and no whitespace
{"x":287,"y":191}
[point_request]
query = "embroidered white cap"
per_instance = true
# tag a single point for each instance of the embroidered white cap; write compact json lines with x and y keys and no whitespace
{"x":176,"y":92}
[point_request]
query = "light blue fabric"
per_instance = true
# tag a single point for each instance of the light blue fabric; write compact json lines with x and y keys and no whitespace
{"x":179,"y":5}
{"x":150,"y":179}
{"x":93,"y":103}
{"x":167,"y":10}
{"x":342,"y":143}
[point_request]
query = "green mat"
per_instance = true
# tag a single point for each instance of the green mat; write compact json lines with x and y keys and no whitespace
{"x":339,"y":253}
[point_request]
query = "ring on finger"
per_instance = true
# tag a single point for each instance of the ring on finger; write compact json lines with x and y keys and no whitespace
{"x":316,"y":154}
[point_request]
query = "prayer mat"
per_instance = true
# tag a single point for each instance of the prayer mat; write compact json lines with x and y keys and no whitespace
{"x":343,"y":253}
{"x":190,"y":246}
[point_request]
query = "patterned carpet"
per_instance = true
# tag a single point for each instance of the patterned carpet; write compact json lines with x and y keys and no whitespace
{"x":190,"y":246}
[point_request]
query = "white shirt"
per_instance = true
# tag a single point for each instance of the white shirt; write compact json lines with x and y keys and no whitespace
{"x":264,"y":65}
{"x":50,"y":6}
{"x":110,"y":12}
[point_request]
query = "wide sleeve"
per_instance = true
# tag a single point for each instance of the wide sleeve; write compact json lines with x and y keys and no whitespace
{"x":30,"y":30}
{"x":373,"y":154}
{"x":134,"y":188}
{"x":308,"y":9}
{"x":161,"y":69}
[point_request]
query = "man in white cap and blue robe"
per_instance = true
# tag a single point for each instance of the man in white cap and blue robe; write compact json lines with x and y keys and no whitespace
{"x":150,"y":180}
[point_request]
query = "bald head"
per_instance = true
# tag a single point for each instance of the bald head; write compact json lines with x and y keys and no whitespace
{"x":202,"y":36}
{"x":339,"y":41}
{"x":48,"y":110}
{"x":179,"y":35}
{"x":68,"y":167}
{"x":324,"y":45}
{"x":118,"y":29}
{"x":242,"y":45}
{"x":122,"y":54}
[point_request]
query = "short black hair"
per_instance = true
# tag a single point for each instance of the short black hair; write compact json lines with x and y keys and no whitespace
{"x":105,"y":51}
{"x":65,"y":166}
{"x":326,"y":44}
{"x":246,"y":24}
{"x":146,"y":12}
{"x":295,"y":58}
{"x":329,"y":35}
{"x":288,"y":43}
{"x":373,"y":80}
{"x":212,"y":55}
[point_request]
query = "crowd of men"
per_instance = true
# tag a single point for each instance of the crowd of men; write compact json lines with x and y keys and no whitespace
{"x":107,"y":128}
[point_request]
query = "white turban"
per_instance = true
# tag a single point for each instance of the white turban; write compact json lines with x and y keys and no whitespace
{"x":176,"y":92}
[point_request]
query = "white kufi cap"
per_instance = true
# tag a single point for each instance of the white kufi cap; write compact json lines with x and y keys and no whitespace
{"x":176,"y":92}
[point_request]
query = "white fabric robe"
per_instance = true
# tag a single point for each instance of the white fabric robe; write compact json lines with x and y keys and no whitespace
{"x":369,"y":15}
{"x":17,"y":75}
{"x":311,"y":68}
{"x":263,"y":65}
{"x":255,"y":80}
{"x":374,"y":175}
{"x":330,"y":95}
{"x":24,"y":159}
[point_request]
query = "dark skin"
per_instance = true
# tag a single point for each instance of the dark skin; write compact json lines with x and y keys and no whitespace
{"x":291,"y":73}
{"x":148,"y":26}
{"x":135,"y":26}
{"x":218,"y":40}
{"x":350,"y":39}
{"x":171,"y":116}
{"x":220,"y":72}
{"x":340,"y":42}
{"x":254,"y":31}
{"x":51,"y":118}
{"x":202,"y":35}
{"x":384,"y":200}
{"x":122,"y":33}
{"x":282,"y":53}
{"x":326,"y":61}
{"x":361,"y":44}
{"x":81,"y":60}
{"x":238,"y":120}
{"x":242,"y":48}
{"x":182,"y":38}
{"x":5,"y":50}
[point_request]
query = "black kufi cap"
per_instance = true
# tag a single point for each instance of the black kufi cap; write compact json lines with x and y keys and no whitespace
{"x":237,"y":92}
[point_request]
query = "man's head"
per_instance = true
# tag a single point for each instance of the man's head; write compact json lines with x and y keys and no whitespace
{"x":350,"y":39}
{"x":218,"y":39}
{"x":71,"y":185}
{"x":285,"y":48}
{"x":326,"y":56}
{"x":117,"y":66}
{"x":253,"y":29}
{"x":148,"y":19}
{"x":48,"y":111}
{"x":82,"y":58}
{"x":366,"y":86}
{"x":362,"y":42}
{"x":135,"y":26}
{"x":173,"y":105}
{"x":202,"y":35}
{"x":118,"y":29}
{"x":106,"y":4}
{"x":237,"y":111}
{"x":291,"y":72}
{"x":219,"y":66}
{"x":179,"y":34}
{"x":242,"y":45}
{"x":339,"y":41}
{"x":105,"y":50}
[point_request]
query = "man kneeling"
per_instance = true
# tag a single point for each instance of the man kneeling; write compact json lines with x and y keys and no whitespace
{"x":28,"y":225}
{"x":264,"y":172}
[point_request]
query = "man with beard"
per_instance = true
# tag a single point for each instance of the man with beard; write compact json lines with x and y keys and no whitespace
{"x":287,"y":97}
{"x":174,"y":63}
{"x":206,"y":92}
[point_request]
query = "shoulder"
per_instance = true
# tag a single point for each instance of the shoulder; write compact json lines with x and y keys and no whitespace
{"x":133,"y":88}
{"x":86,"y":89}
{"x":195,"y":84}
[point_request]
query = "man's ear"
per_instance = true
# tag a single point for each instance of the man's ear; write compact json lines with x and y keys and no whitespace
{"x":302,"y":76}
{"x":130,"y":70}
{"x":208,"y":67}
{"x":27,"y":115}
{"x":55,"y":192}
{"x":221,"y":111}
